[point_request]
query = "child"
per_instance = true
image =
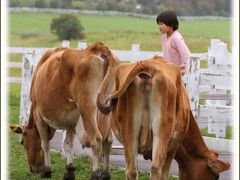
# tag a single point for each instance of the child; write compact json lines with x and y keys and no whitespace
{"x":173,"y":45}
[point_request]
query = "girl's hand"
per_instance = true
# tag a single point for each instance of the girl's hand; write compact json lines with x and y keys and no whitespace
{"x":182,"y":71}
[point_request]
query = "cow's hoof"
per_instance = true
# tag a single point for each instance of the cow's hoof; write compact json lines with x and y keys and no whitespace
{"x":69,"y":172}
{"x":46,"y":172}
{"x":105,"y":175}
{"x":96,"y":175}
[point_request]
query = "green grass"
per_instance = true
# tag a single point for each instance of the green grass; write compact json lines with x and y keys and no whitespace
{"x":14,"y":72}
{"x":33,"y":30}
{"x":15,"y":57}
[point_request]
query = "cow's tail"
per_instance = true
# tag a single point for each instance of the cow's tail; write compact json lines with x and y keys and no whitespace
{"x":110,"y":62}
{"x":139,"y":69}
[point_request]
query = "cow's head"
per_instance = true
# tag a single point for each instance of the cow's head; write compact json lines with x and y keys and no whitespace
{"x":192,"y":166}
{"x":32,"y":144}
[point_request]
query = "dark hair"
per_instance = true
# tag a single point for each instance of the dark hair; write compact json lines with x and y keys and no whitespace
{"x":169,"y":18}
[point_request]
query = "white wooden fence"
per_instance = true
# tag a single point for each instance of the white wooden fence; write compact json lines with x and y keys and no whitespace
{"x":212,"y":84}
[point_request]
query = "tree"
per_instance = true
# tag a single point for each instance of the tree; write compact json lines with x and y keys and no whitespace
{"x":54,"y":4}
{"x":66,"y":27}
{"x":40,"y":4}
{"x":66,"y":4}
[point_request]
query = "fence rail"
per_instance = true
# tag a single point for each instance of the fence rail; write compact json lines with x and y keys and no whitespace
{"x":212,"y":84}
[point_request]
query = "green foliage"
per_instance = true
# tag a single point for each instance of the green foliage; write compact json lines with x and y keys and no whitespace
{"x":41,"y":4}
{"x":183,"y":7}
{"x":21,"y":3}
{"x":15,"y":3}
{"x":66,"y":27}
{"x":204,"y":8}
{"x":121,"y":6}
{"x":54,"y":4}
{"x":66,"y":4}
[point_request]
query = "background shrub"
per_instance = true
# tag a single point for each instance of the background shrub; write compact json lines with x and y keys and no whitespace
{"x":66,"y":27}
{"x":41,"y":4}
{"x":54,"y":4}
{"x":15,"y":3}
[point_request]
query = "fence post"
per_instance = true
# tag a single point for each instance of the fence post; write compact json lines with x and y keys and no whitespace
{"x":65,"y":43}
{"x":82,"y":45}
{"x":135,"y":48}
{"x":217,"y":51}
{"x":25,"y":103}
{"x":192,"y":83}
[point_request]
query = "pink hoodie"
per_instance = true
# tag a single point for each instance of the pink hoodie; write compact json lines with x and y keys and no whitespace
{"x":175,"y":50}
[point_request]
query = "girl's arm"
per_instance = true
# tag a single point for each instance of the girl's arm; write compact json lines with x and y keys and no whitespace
{"x":184,"y":52}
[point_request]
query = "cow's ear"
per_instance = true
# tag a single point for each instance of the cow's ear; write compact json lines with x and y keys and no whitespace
{"x":16,"y":128}
{"x":215,"y":153}
{"x":218,"y":166}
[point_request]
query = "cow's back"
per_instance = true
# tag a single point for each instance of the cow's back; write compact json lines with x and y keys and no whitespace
{"x":61,"y":79}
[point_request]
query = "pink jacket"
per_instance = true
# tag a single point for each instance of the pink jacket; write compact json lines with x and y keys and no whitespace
{"x":175,"y":50}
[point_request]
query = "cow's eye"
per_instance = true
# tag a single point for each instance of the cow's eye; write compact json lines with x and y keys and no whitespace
{"x":22,"y":141}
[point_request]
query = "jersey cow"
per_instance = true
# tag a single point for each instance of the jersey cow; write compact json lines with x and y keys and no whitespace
{"x":195,"y":160}
{"x":150,"y":114}
{"x":64,"y":89}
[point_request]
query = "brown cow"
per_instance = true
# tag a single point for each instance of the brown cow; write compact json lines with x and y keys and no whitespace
{"x":195,"y":160}
{"x":150,"y":113}
{"x":64,"y":87}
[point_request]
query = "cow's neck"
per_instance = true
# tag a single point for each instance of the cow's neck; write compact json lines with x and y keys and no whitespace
{"x":193,"y":140}
{"x":186,"y":163}
{"x":34,"y":130}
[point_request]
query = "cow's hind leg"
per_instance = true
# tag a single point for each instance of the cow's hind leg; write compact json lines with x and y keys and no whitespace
{"x":130,"y":150}
{"x":95,"y":138}
{"x":68,"y":147}
{"x":160,"y":153}
{"x":161,"y":158}
{"x":97,"y":150}
{"x":106,"y":153}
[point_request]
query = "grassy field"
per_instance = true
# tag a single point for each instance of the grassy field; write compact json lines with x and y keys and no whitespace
{"x":33,"y":30}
